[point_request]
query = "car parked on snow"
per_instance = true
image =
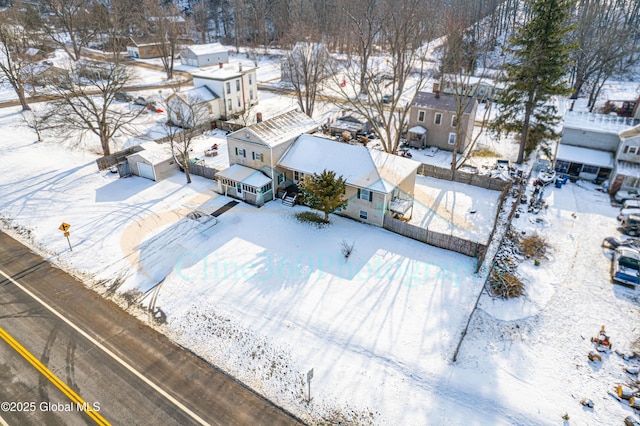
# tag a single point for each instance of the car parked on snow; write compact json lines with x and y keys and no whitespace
{"x":626,"y":266}
{"x":626,"y":212}
{"x":631,"y":204}
{"x":631,"y":225}
{"x":622,"y":196}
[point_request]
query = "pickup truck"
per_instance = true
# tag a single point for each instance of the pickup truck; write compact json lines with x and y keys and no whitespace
{"x":626,"y":266}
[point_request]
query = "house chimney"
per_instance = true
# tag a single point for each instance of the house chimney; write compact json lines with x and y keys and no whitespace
{"x":436,"y":87}
{"x":572,"y":105}
{"x":437,"y":94}
{"x":240,"y":67}
{"x":258,"y":117}
{"x":221,"y":65}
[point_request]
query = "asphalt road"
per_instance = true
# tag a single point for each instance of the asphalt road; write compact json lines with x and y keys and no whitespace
{"x":86,"y":364}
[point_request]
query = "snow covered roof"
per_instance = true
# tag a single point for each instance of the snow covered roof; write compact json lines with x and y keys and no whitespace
{"x":204,"y":49}
{"x":154,"y":152}
{"x":598,"y":122}
{"x":359,"y":166}
{"x":630,"y":133}
{"x":627,"y":168}
{"x":230,"y":70}
{"x":246,"y":175}
{"x":278,"y":129}
{"x":418,"y":130}
{"x":443,"y":102}
{"x":591,"y":157}
{"x":197,"y":95}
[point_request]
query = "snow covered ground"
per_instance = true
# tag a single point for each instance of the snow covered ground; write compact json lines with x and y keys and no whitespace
{"x":267,"y":298}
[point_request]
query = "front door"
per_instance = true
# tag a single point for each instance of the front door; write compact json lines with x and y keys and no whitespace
{"x":239,"y":190}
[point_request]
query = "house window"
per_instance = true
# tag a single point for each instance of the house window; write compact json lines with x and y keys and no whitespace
{"x":454,"y":121}
{"x":228,"y":88}
{"x":257,"y":156}
{"x":237,"y":85}
{"x":592,"y":170}
{"x":438,"y":119}
{"x":229,"y":105}
{"x":633,"y":150}
{"x":297,"y":175}
{"x":241,"y":152}
{"x":266,"y":188}
{"x":239,"y":104}
{"x":251,"y":94}
{"x":452,"y":138}
{"x":210,"y":108}
{"x":421,"y":116}
{"x":363,"y":215}
{"x":280,"y":178}
{"x":365,"y":194}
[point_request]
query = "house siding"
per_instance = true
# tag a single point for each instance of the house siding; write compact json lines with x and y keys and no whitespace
{"x":438,"y":134}
{"x":590,"y":139}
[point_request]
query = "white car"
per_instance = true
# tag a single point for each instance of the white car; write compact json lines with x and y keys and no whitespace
{"x":631,"y":204}
{"x":626,"y":212}
{"x":622,"y":196}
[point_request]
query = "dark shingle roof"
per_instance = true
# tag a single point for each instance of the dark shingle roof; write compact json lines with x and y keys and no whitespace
{"x":443,"y":103}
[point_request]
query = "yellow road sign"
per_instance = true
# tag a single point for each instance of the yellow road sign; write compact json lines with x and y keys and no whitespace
{"x":64,"y":227}
{"x":66,"y":233}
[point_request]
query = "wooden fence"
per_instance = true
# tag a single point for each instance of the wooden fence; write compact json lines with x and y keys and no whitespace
{"x":481,"y":181}
{"x":436,"y":239}
{"x":115,"y":158}
{"x":204,"y":171}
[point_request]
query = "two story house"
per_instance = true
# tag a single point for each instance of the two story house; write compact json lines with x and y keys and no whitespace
{"x":377,"y":183}
{"x":257,"y":149}
{"x":626,"y":172}
{"x":192,"y":108}
{"x":433,"y":118}
{"x":234,"y":84}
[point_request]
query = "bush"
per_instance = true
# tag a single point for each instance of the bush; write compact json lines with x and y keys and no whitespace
{"x":533,"y":246}
{"x":311,"y":217}
{"x":505,"y":284}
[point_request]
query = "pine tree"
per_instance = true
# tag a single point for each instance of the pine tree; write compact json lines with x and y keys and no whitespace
{"x":323,"y":192}
{"x":536,"y":73}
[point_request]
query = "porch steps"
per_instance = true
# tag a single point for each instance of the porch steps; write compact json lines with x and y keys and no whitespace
{"x":289,"y":200}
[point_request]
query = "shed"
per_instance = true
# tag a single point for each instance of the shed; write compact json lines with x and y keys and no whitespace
{"x":203,"y":55}
{"x":154,"y":162}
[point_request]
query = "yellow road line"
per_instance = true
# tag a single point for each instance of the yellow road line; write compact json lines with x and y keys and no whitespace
{"x":74,"y":397}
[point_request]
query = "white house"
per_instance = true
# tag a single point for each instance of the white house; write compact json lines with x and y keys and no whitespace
{"x":377,"y":183}
{"x":194,"y":107}
{"x":204,"y":55}
{"x":235,"y":85}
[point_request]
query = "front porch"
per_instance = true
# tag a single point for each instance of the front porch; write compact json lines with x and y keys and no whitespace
{"x":245,"y":184}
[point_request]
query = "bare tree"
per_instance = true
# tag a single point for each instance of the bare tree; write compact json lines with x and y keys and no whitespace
{"x":40,"y":121}
{"x":84,"y":101}
{"x":14,"y":42}
{"x":71,"y":24}
{"x":459,"y":55}
{"x":306,"y":66}
{"x":164,"y":27}
{"x":186,"y":117}
{"x":393,"y":81}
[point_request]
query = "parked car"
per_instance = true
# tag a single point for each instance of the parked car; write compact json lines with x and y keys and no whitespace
{"x":626,"y":212}
{"x":503,"y":164}
{"x":630,"y":204}
{"x":123,"y":97}
{"x":613,"y":243}
{"x":626,"y":266}
{"x":631,"y":225}
{"x":622,"y":196}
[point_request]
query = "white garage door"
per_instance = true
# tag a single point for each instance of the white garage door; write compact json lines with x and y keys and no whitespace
{"x":146,"y":171}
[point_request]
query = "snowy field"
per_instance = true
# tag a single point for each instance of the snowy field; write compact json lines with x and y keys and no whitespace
{"x":267,"y":298}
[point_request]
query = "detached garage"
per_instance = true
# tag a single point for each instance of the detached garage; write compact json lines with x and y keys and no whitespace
{"x":154,"y":162}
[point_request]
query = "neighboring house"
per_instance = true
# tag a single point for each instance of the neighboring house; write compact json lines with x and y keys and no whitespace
{"x":204,"y":55}
{"x":258,"y":148}
{"x":484,"y":89}
{"x":192,"y":108}
{"x":589,"y":145}
{"x":626,"y":173}
{"x":43,"y":73}
{"x":143,"y":48}
{"x":432,"y":121}
{"x":351,"y":123}
{"x":235,"y":85}
{"x":377,"y":183}
{"x":154,"y":162}
{"x":305,"y":53}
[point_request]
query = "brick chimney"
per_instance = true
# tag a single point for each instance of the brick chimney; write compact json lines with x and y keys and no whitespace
{"x":221,"y":65}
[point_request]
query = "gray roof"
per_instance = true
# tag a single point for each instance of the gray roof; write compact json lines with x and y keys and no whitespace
{"x":442,"y":103}
{"x":279,"y":129}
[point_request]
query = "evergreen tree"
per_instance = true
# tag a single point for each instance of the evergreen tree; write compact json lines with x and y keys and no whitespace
{"x":540,"y":59}
{"x":323,"y":192}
